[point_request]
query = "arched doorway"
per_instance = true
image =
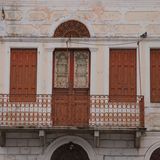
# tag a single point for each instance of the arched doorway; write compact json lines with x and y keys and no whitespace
{"x":71,"y":78}
{"x":70,"y":151}
{"x":156,"y":154}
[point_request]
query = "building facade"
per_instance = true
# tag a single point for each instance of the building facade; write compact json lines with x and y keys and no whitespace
{"x":79,"y":79}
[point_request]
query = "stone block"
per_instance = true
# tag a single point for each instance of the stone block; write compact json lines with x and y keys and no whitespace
{"x":13,"y":15}
{"x":115,"y":136}
{"x":32,"y":157}
{"x":107,"y":143}
{"x":34,"y":142}
{"x":127,"y":136}
{"x":35,"y":135}
{"x":3,"y":150}
{"x":121,"y":158}
{"x":22,"y":142}
{"x":13,"y":150}
{"x":36,"y":16}
{"x":11,"y":142}
{"x":142,"y":16}
{"x":2,"y":157}
{"x":26,"y":135}
{"x":120,"y":144}
{"x":21,"y":157}
{"x":36,"y":150}
{"x":13,"y":135}
{"x":25,"y":150}
{"x":10,"y":157}
{"x":130,"y":144}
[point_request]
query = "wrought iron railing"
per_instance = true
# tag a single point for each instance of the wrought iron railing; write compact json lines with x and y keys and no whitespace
{"x":116,"y":113}
{"x":102,"y":110}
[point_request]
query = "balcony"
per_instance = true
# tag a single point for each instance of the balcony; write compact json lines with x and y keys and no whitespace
{"x":48,"y":111}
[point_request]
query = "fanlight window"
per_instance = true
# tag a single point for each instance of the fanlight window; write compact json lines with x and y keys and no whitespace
{"x":71,"y":28}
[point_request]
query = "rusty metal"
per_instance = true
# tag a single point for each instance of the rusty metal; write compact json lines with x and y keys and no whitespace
{"x":102,"y":112}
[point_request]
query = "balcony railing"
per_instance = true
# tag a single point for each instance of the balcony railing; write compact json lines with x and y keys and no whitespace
{"x":102,"y":111}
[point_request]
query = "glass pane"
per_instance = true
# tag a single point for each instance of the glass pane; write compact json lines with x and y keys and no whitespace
{"x":81,"y":69}
{"x":61,"y":69}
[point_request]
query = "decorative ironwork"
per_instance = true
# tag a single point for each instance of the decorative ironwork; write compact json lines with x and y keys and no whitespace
{"x":103,"y":112}
{"x":26,"y":114}
{"x":71,"y":28}
{"x":61,"y":69}
{"x":81,"y":69}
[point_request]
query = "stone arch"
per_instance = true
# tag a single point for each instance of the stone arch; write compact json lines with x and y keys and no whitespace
{"x":152,"y":150}
{"x":67,"y":139}
{"x":71,"y":28}
{"x":71,"y":151}
{"x":156,"y":154}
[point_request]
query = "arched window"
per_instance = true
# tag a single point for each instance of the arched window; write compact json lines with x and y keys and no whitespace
{"x":72,"y":28}
{"x":155,"y":155}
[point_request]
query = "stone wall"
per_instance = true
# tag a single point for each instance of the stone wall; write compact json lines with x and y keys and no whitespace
{"x":105,"y":18}
{"x":27,"y":146}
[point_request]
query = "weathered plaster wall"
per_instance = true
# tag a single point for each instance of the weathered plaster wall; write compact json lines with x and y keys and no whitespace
{"x":39,"y":18}
{"x":106,"y":18}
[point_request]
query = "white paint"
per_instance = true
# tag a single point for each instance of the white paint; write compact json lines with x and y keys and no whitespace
{"x":106,"y":71}
{"x":93,"y":68}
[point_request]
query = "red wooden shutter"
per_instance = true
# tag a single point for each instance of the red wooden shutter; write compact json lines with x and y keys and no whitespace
{"x":122,"y":84}
{"x":23,"y":72}
{"x":155,"y":75}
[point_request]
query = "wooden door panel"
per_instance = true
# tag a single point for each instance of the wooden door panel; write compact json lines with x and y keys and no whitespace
{"x":23,"y":72}
{"x":70,"y":102}
{"x":122,"y":74}
{"x":155,"y":75}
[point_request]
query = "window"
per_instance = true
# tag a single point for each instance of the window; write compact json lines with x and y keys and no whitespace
{"x":155,"y":75}
{"x":23,"y":70}
{"x":122,"y":80}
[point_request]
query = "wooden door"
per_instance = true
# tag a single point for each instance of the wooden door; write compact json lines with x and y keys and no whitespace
{"x":122,"y":77}
{"x":23,"y":71}
{"x":71,"y":87}
{"x":155,"y":75}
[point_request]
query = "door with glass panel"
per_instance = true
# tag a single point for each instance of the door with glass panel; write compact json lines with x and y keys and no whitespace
{"x":71,"y":74}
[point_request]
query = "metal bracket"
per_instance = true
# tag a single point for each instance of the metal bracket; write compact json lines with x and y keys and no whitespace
{"x":96,"y":138}
{"x":138,"y":135}
{"x":42,"y":136}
